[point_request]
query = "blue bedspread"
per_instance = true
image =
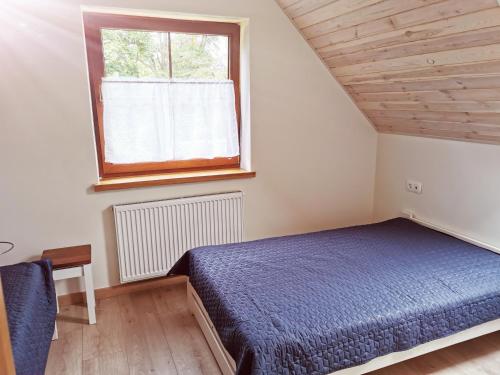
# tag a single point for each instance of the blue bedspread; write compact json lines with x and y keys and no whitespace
{"x":31,"y":311}
{"x":320,"y":302}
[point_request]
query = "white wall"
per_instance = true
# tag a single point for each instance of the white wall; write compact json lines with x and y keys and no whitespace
{"x":461,"y":183}
{"x":313,"y":151}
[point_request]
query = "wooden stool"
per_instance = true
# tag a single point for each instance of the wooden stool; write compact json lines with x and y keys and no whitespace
{"x":75,"y":261}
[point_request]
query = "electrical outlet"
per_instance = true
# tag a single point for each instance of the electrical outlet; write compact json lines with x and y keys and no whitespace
{"x":414,"y":186}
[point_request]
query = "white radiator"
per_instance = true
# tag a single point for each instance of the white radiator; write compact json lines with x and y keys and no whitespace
{"x":152,"y":236}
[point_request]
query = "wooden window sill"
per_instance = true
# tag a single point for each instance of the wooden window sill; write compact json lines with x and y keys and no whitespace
{"x":171,"y":178}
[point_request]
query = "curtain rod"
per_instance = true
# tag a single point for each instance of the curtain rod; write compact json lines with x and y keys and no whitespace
{"x":117,"y":80}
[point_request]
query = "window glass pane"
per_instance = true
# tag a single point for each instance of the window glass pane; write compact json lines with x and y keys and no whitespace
{"x":132,"y":53}
{"x":197,"y":56}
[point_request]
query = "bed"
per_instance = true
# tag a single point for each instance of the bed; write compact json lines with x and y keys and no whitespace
{"x":30,"y":302}
{"x":343,"y":301}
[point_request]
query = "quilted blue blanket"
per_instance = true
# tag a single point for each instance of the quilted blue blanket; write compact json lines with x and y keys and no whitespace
{"x":320,"y":302}
{"x":31,"y":312}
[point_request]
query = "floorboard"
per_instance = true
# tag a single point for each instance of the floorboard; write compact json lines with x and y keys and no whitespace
{"x":152,"y":332}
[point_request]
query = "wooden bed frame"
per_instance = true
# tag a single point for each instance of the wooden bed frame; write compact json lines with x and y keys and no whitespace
{"x":228,"y":365}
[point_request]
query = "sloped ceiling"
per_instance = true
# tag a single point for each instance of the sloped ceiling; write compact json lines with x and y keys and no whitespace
{"x":417,"y":67}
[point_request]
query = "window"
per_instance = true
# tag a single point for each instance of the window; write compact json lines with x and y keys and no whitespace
{"x":165,"y":93}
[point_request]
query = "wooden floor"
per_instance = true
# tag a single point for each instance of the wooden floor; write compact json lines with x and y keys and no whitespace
{"x":152,"y":332}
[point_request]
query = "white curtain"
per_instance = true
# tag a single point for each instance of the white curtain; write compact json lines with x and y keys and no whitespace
{"x":160,"y":120}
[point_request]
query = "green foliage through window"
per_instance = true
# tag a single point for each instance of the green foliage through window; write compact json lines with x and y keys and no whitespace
{"x":199,"y":56}
{"x":145,"y":54}
{"x":140,"y":54}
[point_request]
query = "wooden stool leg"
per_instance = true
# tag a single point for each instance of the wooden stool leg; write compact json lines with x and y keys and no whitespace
{"x":89,"y":291}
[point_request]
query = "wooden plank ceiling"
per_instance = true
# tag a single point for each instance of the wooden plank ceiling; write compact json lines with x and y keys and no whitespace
{"x":417,"y":67}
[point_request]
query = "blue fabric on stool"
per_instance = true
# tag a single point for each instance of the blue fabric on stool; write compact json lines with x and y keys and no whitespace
{"x":30,"y":300}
